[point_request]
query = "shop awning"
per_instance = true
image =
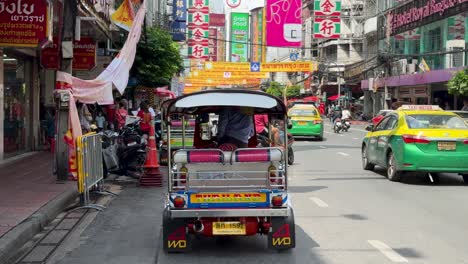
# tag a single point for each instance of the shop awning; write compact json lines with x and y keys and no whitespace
{"x":311,"y":99}
{"x":163,"y":92}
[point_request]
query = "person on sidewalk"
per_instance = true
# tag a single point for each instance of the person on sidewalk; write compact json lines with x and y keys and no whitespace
{"x":100,"y":121}
{"x":146,"y":118}
{"x":121,"y":115}
{"x":465,"y":105}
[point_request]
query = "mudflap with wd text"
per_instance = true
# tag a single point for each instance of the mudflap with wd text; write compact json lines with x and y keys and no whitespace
{"x":175,"y":237}
{"x":282,"y":234}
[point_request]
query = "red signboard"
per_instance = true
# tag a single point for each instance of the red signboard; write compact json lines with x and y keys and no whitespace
{"x":50,"y":56}
{"x":84,"y":54}
{"x":217,"y":20}
{"x":213,"y":45}
{"x":25,"y":23}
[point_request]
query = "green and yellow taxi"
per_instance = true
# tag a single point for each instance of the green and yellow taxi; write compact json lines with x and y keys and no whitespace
{"x":305,"y":121}
{"x":417,"y":138}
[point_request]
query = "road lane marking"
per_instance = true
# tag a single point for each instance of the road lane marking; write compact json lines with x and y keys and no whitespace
{"x":343,"y":154}
{"x":387,"y":251}
{"x":322,"y":147}
{"x":355,"y":138}
{"x":318,"y":202}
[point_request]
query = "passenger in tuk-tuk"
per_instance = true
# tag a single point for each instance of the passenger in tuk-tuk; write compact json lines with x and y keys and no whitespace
{"x":261,"y":128}
{"x":235,"y":126}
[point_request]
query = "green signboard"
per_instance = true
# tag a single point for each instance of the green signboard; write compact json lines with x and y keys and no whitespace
{"x":239,"y":36}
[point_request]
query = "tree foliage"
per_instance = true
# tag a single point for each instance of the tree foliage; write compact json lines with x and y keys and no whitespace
{"x":157,"y":58}
{"x":277,"y":89}
{"x":458,"y":85}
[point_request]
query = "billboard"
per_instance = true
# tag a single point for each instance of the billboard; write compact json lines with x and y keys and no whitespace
{"x":327,"y":8}
{"x":198,"y":22}
{"x":329,"y":28}
{"x":283,"y":23}
{"x":256,"y":52}
{"x":239,"y":36}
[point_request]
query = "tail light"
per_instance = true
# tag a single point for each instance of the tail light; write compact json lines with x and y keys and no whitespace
{"x":183,"y":175}
{"x":317,"y":122}
{"x":465,"y":141}
{"x":408,"y":139}
{"x":277,"y":200}
{"x":179,"y":202}
{"x":272,"y":173}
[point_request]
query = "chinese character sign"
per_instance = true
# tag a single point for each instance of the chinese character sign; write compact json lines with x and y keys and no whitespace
{"x":283,"y":23}
{"x":179,"y":25}
{"x":198,"y":23}
{"x":327,"y":8}
{"x":180,"y":10}
{"x":25,"y":23}
{"x":239,"y":36}
{"x":329,"y":28}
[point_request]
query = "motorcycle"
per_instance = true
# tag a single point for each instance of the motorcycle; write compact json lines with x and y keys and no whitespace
{"x":346,"y":125}
{"x":337,"y":125}
{"x":124,"y":153}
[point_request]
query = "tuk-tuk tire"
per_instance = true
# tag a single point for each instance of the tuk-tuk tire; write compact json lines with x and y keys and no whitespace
{"x":290,"y":156}
{"x":175,"y":228}
{"x":283,"y":232}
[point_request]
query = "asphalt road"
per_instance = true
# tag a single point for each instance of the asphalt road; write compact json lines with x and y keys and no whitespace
{"x":343,"y":215}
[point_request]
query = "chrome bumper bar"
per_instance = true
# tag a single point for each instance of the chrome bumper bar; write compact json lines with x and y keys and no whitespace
{"x":190,"y":213}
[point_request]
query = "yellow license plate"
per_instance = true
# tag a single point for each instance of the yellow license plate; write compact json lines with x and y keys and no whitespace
{"x":302,"y":123}
{"x":447,"y":146}
{"x":228,"y":228}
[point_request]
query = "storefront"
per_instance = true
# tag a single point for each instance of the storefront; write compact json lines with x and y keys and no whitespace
{"x":430,"y":39}
{"x":20,"y":111}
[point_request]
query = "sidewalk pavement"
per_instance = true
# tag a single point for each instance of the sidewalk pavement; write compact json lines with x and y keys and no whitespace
{"x":30,"y":197}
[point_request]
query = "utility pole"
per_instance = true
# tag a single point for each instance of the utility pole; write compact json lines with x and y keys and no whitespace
{"x":67,"y":33}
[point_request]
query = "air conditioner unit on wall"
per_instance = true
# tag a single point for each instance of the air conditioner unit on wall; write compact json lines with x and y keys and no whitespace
{"x":411,"y":68}
{"x":453,"y":60}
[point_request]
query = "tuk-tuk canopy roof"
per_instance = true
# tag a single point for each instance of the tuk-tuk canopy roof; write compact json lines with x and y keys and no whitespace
{"x":214,"y":100}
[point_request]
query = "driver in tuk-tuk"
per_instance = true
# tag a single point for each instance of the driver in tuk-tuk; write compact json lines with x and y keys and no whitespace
{"x":235,"y":126}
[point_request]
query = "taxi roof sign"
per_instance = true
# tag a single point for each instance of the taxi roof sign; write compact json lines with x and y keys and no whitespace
{"x":420,"y":107}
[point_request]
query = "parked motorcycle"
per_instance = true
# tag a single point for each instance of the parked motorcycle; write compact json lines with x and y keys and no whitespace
{"x":337,"y":125}
{"x":124,"y":153}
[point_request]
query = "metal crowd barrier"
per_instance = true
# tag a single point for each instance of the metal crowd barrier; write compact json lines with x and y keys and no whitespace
{"x":90,"y":169}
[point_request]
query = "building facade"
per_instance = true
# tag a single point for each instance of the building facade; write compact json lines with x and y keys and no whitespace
{"x":421,"y":45}
{"x":27,"y":71}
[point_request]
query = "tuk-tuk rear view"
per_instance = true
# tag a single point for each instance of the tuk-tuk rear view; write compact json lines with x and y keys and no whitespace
{"x":228,"y":188}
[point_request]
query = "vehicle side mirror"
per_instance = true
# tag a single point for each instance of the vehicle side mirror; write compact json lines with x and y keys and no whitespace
{"x":289,"y":126}
{"x":370,"y":128}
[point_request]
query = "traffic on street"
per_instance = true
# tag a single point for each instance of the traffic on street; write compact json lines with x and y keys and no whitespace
{"x":343,"y":214}
{"x":233,"y":131}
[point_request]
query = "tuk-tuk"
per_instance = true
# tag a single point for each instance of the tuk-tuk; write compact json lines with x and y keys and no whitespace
{"x":179,"y":127}
{"x":219,"y":190}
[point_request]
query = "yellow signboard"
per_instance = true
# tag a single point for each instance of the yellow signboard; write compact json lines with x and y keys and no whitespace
{"x":227,"y":66}
{"x":229,"y":75}
{"x":287,"y":67}
{"x":228,"y":198}
{"x":298,"y":66}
